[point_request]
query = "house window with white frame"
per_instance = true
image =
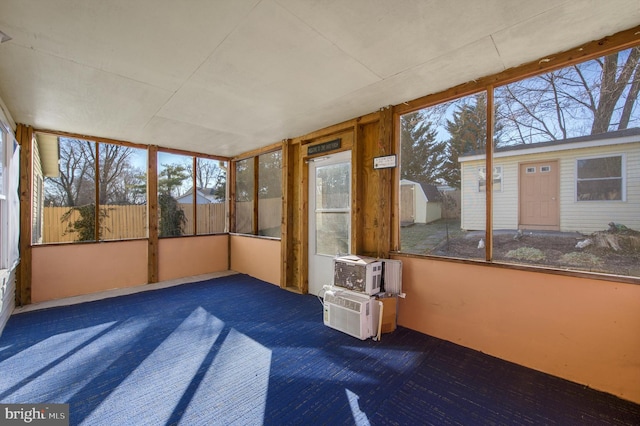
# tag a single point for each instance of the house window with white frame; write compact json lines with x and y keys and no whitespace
{"x":600,"y":179}
{"x":497,"y":179}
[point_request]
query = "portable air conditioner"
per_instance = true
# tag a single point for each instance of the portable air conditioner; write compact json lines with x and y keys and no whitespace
{"x":357,"y":273}
{"x":354,"y":314}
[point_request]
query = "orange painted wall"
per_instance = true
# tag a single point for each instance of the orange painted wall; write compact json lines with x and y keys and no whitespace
{"x":185,"y":257}
{"x":584,"y":330}
{"x":70,"y":270}
{"x":258,"y":257}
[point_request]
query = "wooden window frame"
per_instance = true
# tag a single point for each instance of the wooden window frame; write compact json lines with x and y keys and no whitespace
{"x":255,"y":157}
{"x":598,"y":48}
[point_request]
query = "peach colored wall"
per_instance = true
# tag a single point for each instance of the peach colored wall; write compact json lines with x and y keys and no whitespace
{"x":185,"y":257}
{"x":584,"y":330}
{"x":258,"y":257}
{"x":70,"y":270}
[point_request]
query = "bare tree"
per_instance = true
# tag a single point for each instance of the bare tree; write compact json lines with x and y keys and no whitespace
{"x":75,"y":185}
{"x":592,"y":97}
{"x":210,"y":175}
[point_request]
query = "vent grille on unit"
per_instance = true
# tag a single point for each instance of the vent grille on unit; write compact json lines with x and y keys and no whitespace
{"x":345,"y":320}
{"x":351,"y":305}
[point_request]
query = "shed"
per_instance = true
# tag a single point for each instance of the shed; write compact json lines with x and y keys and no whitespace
{"x":420,"y":202}
{"x":573,"y":185}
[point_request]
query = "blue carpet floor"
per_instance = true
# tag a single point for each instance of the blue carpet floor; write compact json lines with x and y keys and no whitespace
{"x":236,"y":350}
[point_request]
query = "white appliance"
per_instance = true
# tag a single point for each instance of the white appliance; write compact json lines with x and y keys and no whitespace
{"x":358,"y":273}
{"x":353,"y":313}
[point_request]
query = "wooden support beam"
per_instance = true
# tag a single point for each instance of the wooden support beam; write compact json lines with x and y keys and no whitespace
{"x":152,"y":207}
{"x":385,"y":181}
{"x":256,"y":187}
{"x":285,"y":234}
{"x":489,"y":177}
{"x":24,"y":136}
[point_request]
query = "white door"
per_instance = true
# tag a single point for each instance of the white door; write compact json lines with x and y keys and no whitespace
{"x":329,"y":216}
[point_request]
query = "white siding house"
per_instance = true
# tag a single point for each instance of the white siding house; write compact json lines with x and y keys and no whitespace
{"x":203,"y":196}
{"x":539,"y":186}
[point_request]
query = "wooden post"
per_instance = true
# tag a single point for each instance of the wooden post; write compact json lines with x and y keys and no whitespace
{"x":285,"y":244}
{"x":152,"y":208}
{"x":385,"y":206}
{"x":194,"y":196}
{"x":98,"y":201}
{"x":489,"y":177}
{"x":256,"y":187}
{"x":231,"y":189}
{"x":24,"y":136}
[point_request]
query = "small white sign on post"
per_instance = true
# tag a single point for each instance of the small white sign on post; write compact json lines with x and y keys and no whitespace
{"x":386,"y":162}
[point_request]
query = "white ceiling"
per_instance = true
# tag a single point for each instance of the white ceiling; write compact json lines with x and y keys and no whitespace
{"x":227,"y":76}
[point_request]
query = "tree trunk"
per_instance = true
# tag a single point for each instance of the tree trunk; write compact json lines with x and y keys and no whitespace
{"x":630,"y":102}
{"x":612,"y":88}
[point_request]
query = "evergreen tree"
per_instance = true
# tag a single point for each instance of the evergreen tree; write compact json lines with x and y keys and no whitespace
{"x":172,"y":217}
{"x":171,"y":177}
{"x":468,"y":135}
{"x":421,"y":154}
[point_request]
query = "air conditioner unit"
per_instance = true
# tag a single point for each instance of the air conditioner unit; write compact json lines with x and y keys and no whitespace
{"x":358,"y":273}
{"x":354,"y":314}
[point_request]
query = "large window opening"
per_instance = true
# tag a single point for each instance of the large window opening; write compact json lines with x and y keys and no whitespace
{"x":566,"y":185}
{"x":192,"y":195}
{"x":270,"y":194}
{"x":432,"y":182}
{"x":79,"y":199}
{"x":258,"y":195}
{"x":86,"y":191}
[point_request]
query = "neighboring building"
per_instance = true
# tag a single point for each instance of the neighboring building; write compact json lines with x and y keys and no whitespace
{"x":538,"y":186}
{"x":203,"y":196}
{"x":420,"y":202}
{"x":45,"y":164}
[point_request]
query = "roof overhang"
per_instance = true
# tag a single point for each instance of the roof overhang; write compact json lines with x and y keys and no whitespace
{"x":49,"y":154}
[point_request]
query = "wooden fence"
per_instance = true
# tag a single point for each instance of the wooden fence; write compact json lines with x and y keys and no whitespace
{"x":127,"y":222}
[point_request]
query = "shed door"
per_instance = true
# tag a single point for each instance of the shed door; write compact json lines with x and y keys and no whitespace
{"x":407,"y":207}
{"x":539,"y":201}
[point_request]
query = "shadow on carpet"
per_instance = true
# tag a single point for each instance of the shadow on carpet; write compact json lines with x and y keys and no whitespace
{"x":236,"y":350}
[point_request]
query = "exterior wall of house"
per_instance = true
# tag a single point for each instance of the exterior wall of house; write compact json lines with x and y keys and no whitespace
{"x":591,"y":216}
{"x":258,"y":257}
{"x":38,"y":198}
{"x":579,"y":216}
{"x":579,"y":329}
{"x":472,"y":201}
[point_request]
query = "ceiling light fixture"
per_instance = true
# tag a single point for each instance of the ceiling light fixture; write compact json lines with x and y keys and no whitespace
{"x":4,"y":37}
